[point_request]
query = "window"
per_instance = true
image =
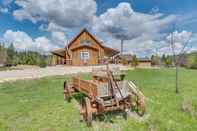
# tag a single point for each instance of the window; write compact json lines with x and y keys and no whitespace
{"x":84,"y":55}
{"x":85,"y":42}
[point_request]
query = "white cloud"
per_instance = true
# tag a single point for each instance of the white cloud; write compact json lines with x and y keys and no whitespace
{"x":147,"y":47}
{"x":4,"y":10}
{"x":5,"y":5}
{"x":143,"y":33}
{"x":58,"y":38}
{"x":65,"y":13}
{"x":192,"y":46}
{"x":23,"y":42}
{"x":138,"y":46}
{"x":180,"y":39}
{"x":122,"y":22}
{"x":42,"y":44}
{"x":51,"y":27}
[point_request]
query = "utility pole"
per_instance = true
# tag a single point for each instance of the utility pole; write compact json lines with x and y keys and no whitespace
{"x":122,"y":46}
{"x":65,"y":60}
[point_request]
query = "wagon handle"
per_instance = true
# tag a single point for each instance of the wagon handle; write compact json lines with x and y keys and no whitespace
{"x":111,"y":79}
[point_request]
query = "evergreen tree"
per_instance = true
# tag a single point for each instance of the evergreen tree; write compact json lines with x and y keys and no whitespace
{"x":10,"y":53}
{"x":10,"y":56}
{"x":3,"y":54}
{"x":163,"y":59}
{"x":168,"y":61}
{"x":135,"y":61}
{"x":43,"y":62}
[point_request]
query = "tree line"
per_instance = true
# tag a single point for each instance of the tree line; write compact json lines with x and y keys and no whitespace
{"x":9,"y":57}
{"x":184,"y":60}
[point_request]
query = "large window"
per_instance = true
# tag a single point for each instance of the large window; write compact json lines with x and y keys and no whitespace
{"x":84,"y":55}
{"x":85,"y":42}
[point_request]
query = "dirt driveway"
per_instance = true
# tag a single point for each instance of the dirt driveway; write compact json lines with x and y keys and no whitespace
{"x":13,"y":75}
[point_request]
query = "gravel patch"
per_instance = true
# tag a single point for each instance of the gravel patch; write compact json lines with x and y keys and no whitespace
{"x":12,"y":75}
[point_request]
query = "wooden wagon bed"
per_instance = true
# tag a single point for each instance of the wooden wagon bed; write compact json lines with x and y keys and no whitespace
{"x":107,"y":91}
{"x":99,"y":89}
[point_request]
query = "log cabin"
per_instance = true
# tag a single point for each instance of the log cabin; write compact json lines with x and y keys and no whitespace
{"x":84,"y":49}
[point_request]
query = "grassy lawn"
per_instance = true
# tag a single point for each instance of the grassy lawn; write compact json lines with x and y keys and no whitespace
{"x":4,"y":68}
{"x":38,"y":105}
{"x":8,"y":68}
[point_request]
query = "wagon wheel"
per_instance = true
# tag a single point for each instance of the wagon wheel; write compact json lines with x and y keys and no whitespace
{"x":141,"y":106}
{"x":86,"y":111}
{"x":67,"y":92}
{"x":137,"y":104}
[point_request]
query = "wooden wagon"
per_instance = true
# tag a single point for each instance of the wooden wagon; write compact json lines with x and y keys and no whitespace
{"x":106,"y":92}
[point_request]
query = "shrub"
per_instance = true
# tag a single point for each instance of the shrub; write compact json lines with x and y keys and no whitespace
{"x":194,"y":65}
{"x":43,"y":63}
{"x":189,"y":108}
{"x":124,"y":61}
{"x":135,"y":61}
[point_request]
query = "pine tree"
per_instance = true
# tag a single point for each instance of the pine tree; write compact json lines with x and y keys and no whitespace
{"x":135,"y":61}
{"x":168,"y":61}
{"x":3,"y":54}
{"x":163,"y":59}
{"x":10,"y":53}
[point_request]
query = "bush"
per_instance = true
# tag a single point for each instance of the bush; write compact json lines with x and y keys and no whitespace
{"x":189,"y":108}
{"x":124,"y":61}
{"x":135,"y":61}
{"x":194,"y":65}
{"x":42,"y":63}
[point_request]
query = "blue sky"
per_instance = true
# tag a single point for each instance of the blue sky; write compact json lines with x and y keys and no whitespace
{"x":53,"y":29}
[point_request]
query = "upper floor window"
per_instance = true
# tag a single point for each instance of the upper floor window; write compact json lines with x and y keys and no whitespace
{"x":84,"y":55}
{"x":85,"y":42}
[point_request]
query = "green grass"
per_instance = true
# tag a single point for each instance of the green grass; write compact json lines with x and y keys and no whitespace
{"x":4,"y":68}
{"x":8,"y":68}
{"x":39,"y":105}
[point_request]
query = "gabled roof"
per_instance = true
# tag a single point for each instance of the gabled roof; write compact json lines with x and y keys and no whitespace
{"x":93,"y":37}
{"x":82,"y":46}
{"x":109,"y":50}
{"x":81,"y":32}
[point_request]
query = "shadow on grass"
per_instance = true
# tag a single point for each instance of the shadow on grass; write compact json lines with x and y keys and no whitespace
{"x":109,"y":117}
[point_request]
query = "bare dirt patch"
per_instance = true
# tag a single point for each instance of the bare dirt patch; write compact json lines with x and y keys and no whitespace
{"x":35,"y":72}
